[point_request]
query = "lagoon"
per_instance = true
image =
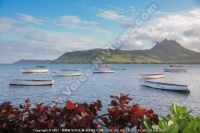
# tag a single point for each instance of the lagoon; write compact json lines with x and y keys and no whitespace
{"x":101,"y":86}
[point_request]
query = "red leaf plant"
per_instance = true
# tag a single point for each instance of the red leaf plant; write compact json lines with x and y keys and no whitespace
{"x":122,"y":116}
{"x":27,"y":118}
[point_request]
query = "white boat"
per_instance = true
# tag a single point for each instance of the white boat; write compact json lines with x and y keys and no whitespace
{"x":34,"y":70}
{"x":103,"y":71}
{"x":118,"y":68}
{"x":164,"y":86}
{"x":65,"y":74}
{"x":176,"y":66}
{"x":175,"y":69}
{"x":25,"y":82}
{"x":150,"y":76}
{"x":103,"y":68}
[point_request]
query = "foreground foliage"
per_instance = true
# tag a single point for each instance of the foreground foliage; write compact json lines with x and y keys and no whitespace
{"x":120,"y":117}
{"x":179,"y":121}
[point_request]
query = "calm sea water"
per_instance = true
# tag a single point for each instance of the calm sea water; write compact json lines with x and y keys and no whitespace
{"x":101,"y":86}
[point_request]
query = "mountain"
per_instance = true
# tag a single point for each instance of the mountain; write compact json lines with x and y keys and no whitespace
{"x":32,"y":61}
{"x":166,"y":51}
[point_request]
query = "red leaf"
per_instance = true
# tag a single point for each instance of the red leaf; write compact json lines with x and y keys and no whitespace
{"x":113,"y":102}
{"x":139,"y":112}
{"x":98,"y":101}
{"x":3,"y":111}
{"x":27,"y":100}
{"x":11,"y":116}
{"x":111,"y":127}
{"x":80,"y":109}
{"x":70,"y":105}
{"x":112,"y":110}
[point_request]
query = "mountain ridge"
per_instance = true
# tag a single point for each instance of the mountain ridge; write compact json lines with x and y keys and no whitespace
{"x":166,"y":51}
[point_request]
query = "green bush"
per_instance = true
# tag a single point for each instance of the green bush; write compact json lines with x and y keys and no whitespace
{"x":179,"y":121}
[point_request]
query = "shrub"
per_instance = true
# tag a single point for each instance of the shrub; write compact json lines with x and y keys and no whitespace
{"x":27,"y":118}
{"x":179,"y":121}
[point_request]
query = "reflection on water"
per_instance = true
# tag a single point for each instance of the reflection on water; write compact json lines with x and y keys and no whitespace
{"x":101,"y":86}
{"x":30,"y":87}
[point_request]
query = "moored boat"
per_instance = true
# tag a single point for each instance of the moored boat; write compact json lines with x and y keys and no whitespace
{"x":65,"y":74}
{"x":103,"y":71}
{"x":34,"y":70}
{"x":150,"y":76}
{"x":27,"y":82}
{"x":40,"y":67}
{"x":103,"y":68}
{"x":175,"y":69}
{"x":118,"y":68}
{"x":176,"y":66}
{"x":164,"y":86}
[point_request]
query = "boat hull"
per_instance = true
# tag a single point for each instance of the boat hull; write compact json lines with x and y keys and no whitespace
{"x":175,"y":70}
{"x":150,"y":76}
{"x":103,"y":71}
{"x":165,"y":86}
{"x":23,"y":82}
{"x":70,"y":70}
{"x":59,"y":74}
{"x":28,"y":70}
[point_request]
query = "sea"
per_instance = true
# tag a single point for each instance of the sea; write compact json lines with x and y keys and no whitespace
{"x":96,"y":86}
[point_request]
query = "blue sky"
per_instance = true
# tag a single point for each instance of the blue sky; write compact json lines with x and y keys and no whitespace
{"x":45,"y":29}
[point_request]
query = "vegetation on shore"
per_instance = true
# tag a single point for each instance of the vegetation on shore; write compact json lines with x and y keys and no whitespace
{"x":120,"y":117}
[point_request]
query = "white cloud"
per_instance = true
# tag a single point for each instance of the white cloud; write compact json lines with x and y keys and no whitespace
{"x":110,"y":14}
{"x":132,"y":44}
{"x":6,"y":26}
{"x":30,"y":19}
{"x":194,"y":13}
{"x":182,"y":27}
{"x":22,"y":41}
{"x":74,"y":21}
{"x":194,"y":31}
{"x":27,"y":42}
{"x":41,"y":44}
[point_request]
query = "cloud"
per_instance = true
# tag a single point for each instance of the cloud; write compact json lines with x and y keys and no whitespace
{"x":6,"y":26}
{"x":41,"y":44}
{"x":21,"y":41}
{"x":132,"y":44}
{"x":27,"y":42}
{"x":31,"y":19}
{"x":115,"y":13}
{"x":194,"y":31}
{"x":182,"y":27}
{"x":194,"y":13}
{"x":74,"y":21}
{"x":110,"y":14}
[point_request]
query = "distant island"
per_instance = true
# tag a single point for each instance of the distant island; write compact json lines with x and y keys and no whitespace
{"x":33,"y":61}
{"x":166,"y":51}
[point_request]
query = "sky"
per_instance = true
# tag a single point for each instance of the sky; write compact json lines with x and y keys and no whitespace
{"x":46,"y":29}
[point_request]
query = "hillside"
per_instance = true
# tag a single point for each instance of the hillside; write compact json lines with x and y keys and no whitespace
{"x":167,"y":51}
